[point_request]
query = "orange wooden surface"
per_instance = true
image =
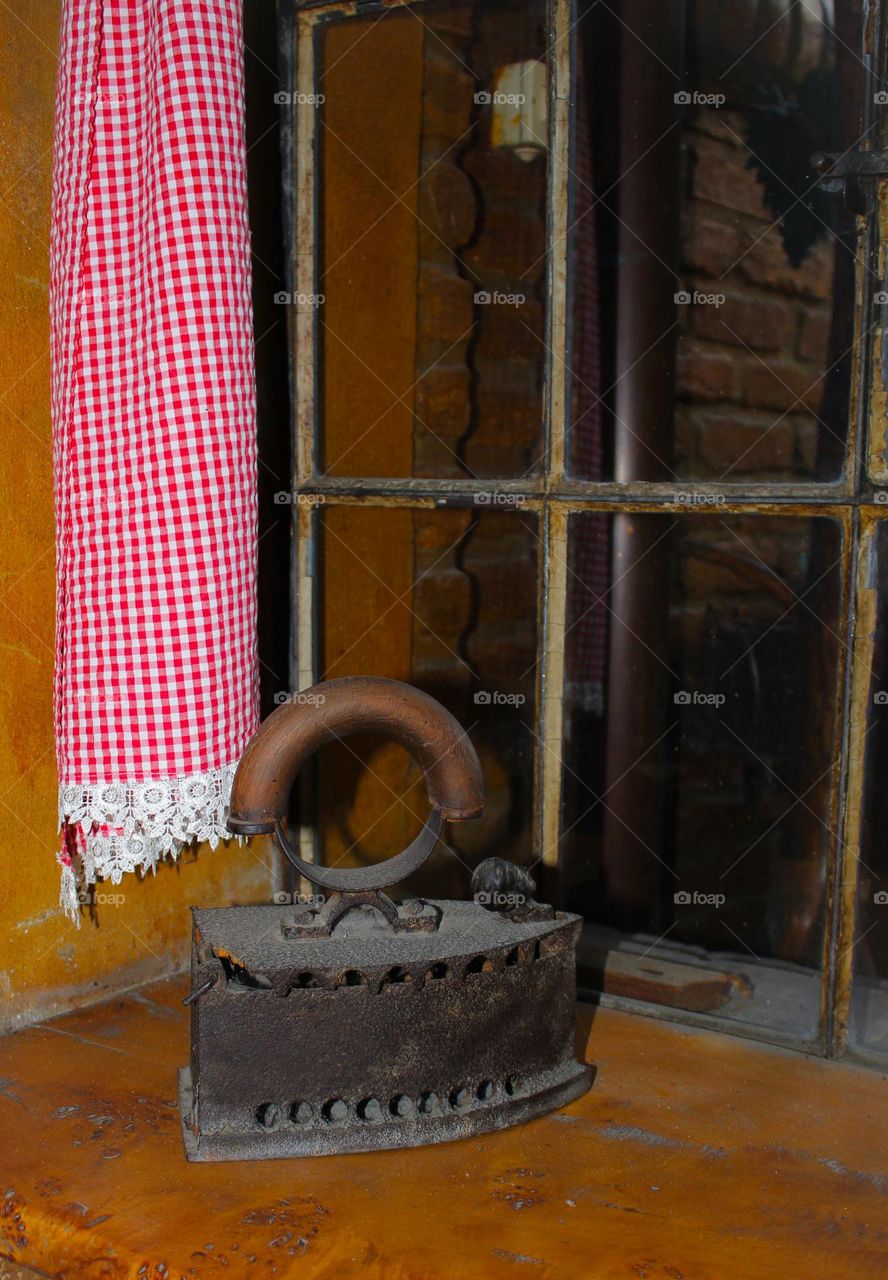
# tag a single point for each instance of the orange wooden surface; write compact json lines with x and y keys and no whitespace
{"x":694,"y":1157}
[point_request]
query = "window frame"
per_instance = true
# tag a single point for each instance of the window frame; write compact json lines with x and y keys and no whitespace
{"x":851,"y":500}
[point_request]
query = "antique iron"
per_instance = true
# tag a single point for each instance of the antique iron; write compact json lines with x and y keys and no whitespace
{"x":352,"y":1023}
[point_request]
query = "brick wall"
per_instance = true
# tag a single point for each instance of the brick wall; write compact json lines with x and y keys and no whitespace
{"x":749,"y":370}
{"x":749,"y":389}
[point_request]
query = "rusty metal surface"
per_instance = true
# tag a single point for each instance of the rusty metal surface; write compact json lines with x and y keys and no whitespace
{"x":355,"y":704}
{"x":370,"y":1038}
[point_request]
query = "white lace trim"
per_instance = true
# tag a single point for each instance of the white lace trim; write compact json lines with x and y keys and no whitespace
{"x":131,"y":826}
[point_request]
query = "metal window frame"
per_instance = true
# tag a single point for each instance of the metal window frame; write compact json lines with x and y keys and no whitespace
{"x":555,"y":496}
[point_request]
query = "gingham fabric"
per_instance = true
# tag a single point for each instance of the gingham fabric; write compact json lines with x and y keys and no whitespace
{"x":153,"y":404}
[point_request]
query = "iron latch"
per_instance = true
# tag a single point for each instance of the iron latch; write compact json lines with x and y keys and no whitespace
{"x":851,"y":174}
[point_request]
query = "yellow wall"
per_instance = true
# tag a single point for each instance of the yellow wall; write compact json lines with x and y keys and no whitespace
{"x":45,"y":963}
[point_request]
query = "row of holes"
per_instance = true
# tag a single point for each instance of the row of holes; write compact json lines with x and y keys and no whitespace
{"x":309,"y":981}
{"x":373,"y":1110}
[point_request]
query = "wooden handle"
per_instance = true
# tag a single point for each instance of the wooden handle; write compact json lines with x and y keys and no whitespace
{"x":334,"y":709}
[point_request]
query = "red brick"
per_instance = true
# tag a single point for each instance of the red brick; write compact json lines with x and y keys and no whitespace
{"x":442,"y":401}
{"x":766,"y":263}
{"x":447,"y":100}
{"x":505,"y":177}
{"x":446,"y":307}
{"x":443,"y":600}
{"x":511,"y":333}
{"x":717,"y":122}
{"x":744,"y":445}
{"x":720,"y":176}
{"x":707,"y":375}
{"x":764,"y":324}
{"x":708,"y":246}
{"x":782,"y":385}
{"x":512,"y":248}
{"x":435,"y":531}
{"x":448,"y":207}
{"x":434,"y":457}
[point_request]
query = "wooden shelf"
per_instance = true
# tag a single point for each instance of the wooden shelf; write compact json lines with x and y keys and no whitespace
{"x":695,"y":1156}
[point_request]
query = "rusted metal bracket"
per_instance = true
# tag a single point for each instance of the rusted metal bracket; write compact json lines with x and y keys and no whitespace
{"x":852,"y":175}
{"x":415,"y":916}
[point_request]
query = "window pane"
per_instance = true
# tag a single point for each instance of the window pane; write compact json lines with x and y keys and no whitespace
{"x":699,"y":224}
{"x":869,"y":1006}
{"x":432,"y":240}
{"x":444,"y":600}
{"x":699,"y":757}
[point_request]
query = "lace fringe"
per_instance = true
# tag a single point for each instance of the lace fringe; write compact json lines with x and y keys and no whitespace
{"x":122,"y":827}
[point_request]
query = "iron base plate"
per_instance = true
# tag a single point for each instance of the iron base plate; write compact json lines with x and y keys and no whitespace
{"x":537,"y":1095}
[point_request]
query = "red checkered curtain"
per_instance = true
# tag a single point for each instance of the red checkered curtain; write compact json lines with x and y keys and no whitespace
{"x":153,"y":430}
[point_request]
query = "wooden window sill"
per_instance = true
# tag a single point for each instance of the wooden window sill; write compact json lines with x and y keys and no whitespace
{"x":695,"y":1156}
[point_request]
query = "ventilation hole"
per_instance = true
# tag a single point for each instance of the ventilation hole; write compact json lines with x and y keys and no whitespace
{"x":305,"y":981}
{"x":351,"y":978}
{"x":480,"y":964}
{"x":334,"y":1111}
{"x":511,"y":1085}
{"x":438,"y":971}
{"x":370,"y":1109}
{"x":513,"y":957}
{"x":537,"y":954}
{"x":301,"y":1112}
{"x":428,"y":1103}
{"x":484,"y":1090}
{"x":459,"y":1098}
{"x":269,"y":1115}
{"x":401,"y":1105}
{"x":396,"y":974}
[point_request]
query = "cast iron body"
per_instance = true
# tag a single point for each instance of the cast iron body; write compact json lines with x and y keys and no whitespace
{"x":352,"y":1024}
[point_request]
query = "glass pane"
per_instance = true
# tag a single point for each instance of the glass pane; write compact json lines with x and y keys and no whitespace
{"x":699,"y":758}
{"x":444,"y":600}
{"x":713,"y":278}
{"x":869,"y":1005}
{"x":432,"y":240}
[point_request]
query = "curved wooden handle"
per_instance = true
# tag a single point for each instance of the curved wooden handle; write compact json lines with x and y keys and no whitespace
{"x":334,"y":709}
